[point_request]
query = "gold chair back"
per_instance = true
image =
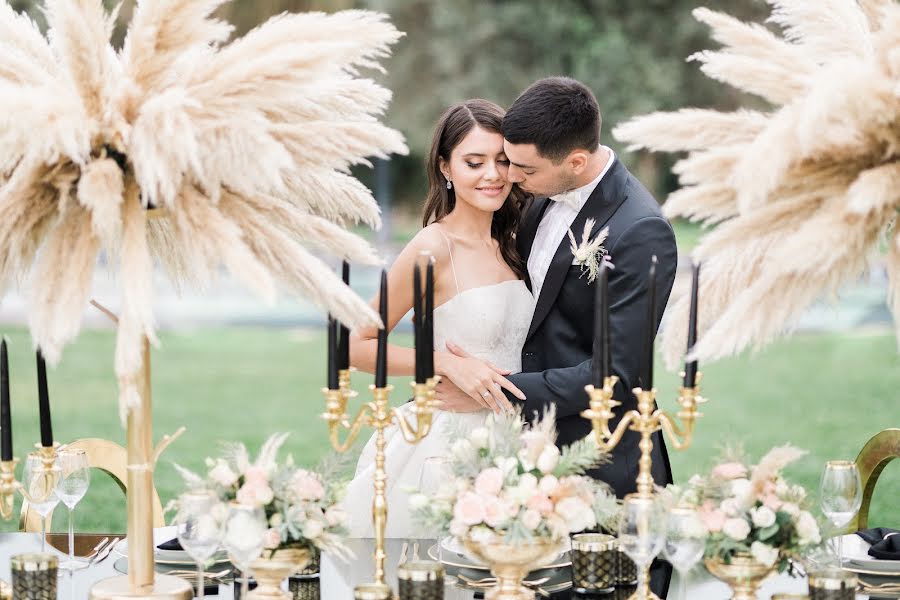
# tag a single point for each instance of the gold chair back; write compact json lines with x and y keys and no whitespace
{"x":871,"y":461}
{"x":106,"y":456}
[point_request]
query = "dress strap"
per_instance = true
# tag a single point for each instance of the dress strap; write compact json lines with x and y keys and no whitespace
{"x":450,"y":251}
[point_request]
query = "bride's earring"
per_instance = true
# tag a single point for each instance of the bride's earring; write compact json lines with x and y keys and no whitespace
{"x":449,"y":185}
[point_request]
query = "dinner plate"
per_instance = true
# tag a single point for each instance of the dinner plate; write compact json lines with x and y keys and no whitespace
{"x":856,"y":558}
{"x":455,"y":555}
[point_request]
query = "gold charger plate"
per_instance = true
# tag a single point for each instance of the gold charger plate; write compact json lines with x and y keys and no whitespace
{"x":885,"y":574}
{"x":433,"y":555}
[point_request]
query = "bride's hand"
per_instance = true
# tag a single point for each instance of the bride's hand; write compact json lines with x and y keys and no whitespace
{"x":478,"y":379}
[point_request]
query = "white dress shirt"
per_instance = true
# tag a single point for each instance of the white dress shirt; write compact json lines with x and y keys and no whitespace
{"x":555,"y":224}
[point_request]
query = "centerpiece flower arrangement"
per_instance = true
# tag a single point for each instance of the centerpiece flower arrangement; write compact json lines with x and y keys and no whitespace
{"x":752,"y":511}
{"x":300,"y":505}
{"x":513,"y":485}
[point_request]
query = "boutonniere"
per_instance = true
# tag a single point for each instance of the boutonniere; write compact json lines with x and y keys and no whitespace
{"x":590,"y":252}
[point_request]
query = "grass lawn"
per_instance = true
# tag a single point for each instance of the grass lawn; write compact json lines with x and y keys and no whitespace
{"x":827,"y":394}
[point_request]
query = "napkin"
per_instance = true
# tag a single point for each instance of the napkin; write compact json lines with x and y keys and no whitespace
{"x":885,"y":542}
{"x":172,"y":544}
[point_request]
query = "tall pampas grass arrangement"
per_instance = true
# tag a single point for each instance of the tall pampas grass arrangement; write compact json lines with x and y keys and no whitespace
{"x":241,"y":147}
{"x":801,"y":196}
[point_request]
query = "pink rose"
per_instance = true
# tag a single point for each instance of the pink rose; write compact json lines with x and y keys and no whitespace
{"x":255,"y":494}
{"x":489,"y":482}
{"x":540,"y":503}
{"x":495,"y":513}
{"x":272,"y":539}
{"x":306,"y":486}
{"x":729,"y":470}
{"x":713,"y":519}
{"x":255,"y":476}
{"x":469,"y":509}
{"x":772,"y":502}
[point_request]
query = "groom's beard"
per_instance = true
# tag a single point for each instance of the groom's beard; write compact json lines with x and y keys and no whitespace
{"x":565,"y":183}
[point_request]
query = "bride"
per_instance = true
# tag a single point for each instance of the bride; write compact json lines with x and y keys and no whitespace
{"x":481,"y":302}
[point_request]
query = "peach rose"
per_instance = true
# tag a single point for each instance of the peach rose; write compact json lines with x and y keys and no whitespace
{"x":541,"y":504}
{"x":489,"y":482}
{"x":713,"y":519}
{"x":469,"y":509}
{"x":306,"y":486}
{"x":495,"y":513}
{"x":729,"y":470}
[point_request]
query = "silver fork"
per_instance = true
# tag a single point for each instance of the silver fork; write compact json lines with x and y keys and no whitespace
{"x":104,"y":553}
{"x":403,"y":550}
{"x":415,"y":552}
{"x":96,"y":549}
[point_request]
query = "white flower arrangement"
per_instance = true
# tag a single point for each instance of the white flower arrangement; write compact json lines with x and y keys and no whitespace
{"x":300,"y":505}
{"x":513,"y":484}
{"x":752,"y":509}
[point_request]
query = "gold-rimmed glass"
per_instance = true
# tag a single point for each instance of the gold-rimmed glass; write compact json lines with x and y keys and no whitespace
{"x":840,"y":496}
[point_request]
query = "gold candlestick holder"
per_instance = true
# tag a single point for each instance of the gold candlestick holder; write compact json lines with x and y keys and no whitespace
{"x":646,"y":420}
{"x":9,"y":485}
{"x":378,"y":415}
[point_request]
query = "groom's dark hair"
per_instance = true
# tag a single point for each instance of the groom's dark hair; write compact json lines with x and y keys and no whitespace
{"x":557,"y":115}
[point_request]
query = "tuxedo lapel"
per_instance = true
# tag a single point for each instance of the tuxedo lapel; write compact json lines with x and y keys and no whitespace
{"x":600,"y":206}
{"x":525,"y":237}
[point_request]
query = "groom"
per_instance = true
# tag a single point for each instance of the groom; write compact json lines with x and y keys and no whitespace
{"x":552,"y":134}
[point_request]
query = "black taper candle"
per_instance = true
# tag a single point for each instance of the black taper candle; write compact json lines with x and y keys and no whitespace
{"x":344,"y":336}
{"x":6,"y":452}
{"x":44,"y":402}
{"x":690,"y":367}
{"x":418,"y":324}
{"x":647,"y":375}
{"x":381,"y":358}
{"x":600,"y":363}
{"x":332,"y":354}
{"x":429,"y":320}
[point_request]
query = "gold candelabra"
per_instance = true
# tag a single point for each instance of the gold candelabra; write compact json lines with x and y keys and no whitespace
{"x":646,"y":420}
{"x":378,"y":415}
{"x":40,"y":490}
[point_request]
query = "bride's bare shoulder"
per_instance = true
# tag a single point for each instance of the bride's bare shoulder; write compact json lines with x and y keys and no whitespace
{"x":429,"y":239}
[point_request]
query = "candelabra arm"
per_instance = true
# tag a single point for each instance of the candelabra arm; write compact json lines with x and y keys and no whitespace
{"x":615,"y":437}
{"x":681,"y":439}
{"x":353,"y":429}
{"x":8,"y":488}
{"x":413,"y":434}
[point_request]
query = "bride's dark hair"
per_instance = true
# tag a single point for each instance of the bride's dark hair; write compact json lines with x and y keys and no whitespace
{"x":456,"y":122}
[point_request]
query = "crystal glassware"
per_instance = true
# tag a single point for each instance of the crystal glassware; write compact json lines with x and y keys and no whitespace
{"x":72,"y":485}
{"x":243,"y":538}
{"x":642,"y":534}
{"x":840,"y":496}
{"x":685,"y":542}
{"x":199,"y":532}
{"x":40,"y":485}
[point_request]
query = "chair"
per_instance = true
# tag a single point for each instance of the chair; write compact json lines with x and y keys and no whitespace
{"x":110,"y":458}
{"x":871,"y":461}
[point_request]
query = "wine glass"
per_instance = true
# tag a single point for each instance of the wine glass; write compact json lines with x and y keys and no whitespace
{"x":74,"y":478}
{"x":199,"y":533}
{"x":436,"y":475}
{"x":685,"y":542}
{"x":642,"y":533}
{"x":243,"y":538}
{"x":840,"y":496}
{"x":40,"y":486}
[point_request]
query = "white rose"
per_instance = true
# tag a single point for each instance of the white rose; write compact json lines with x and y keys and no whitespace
{"x":791,"y":509}
{"x":312,"y":529}
{"x":808,"y":529}
{"x":548,"y":459}
{"x":798,"y":492}
{"x":507,"y":464}
{"x":577,"y":513}
{"x":462,"y":450}
{"x":531,"y":519}
{"x":695,"y":481}
{"x":335,"y":517}
{"x":742,"y":490}
{"x":275,"y":520}
{"x":781,"y":487}
{"x":528,"y":483}
{"x":417,"y":501}
{"x":548,"y":484}
{"x":222,"y":474}
{"x":762,"y":517}
{"x":480,"y":437}
{"x":736,"y":529}
{"x":731,"y":507}
{"x":763,"y":553}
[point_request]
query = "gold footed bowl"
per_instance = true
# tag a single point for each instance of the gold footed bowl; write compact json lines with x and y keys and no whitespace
{"x":510,"y":563}
{"x":743,"y":575}
{"x":270,"y":571}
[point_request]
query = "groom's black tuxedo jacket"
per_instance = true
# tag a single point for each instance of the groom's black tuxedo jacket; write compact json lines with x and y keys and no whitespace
{"x":556,"y":357}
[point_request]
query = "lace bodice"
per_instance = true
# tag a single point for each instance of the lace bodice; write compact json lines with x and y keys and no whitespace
{"x":490,"y":322}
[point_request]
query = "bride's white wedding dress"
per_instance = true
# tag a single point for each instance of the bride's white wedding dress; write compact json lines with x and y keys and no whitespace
{"x":490,"y":322}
